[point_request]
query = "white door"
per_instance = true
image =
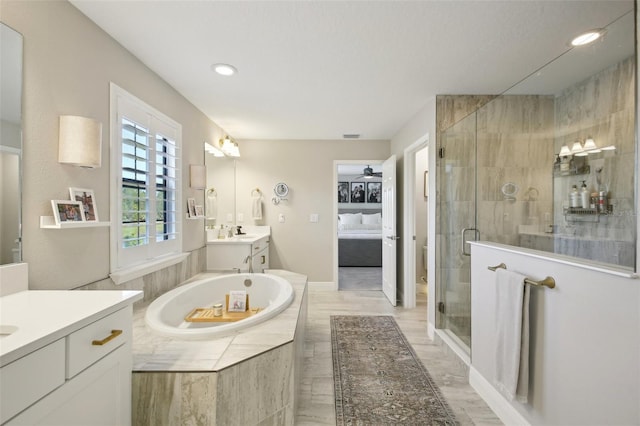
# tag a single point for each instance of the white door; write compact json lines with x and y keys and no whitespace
{"x":389,"y":237}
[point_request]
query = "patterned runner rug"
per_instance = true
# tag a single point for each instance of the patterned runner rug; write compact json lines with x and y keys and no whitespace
{"x":378,"y":378}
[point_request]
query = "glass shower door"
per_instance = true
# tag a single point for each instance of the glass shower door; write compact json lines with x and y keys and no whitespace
{"x":457,"y":224}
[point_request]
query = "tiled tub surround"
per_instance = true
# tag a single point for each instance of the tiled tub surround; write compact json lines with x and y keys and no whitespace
{"x":248,"y":378}
{"x":159,"y":282}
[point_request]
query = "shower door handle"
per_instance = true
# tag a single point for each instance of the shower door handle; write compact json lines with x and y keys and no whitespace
{"x":463,"y":249}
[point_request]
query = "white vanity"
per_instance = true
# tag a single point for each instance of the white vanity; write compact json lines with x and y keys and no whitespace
{"x":233,"y":253}
{"x":65,"y":357}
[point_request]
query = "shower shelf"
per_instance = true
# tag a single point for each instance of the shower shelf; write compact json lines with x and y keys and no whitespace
{"x":579,"y":214}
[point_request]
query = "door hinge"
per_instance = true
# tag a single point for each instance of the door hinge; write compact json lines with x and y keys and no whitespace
{"x":441,"y":153}
{"x":441,"y":307}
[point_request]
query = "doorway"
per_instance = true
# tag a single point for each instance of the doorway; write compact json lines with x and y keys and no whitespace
{"x":358,"y":249}
{"x":415,"y":206}
{"x":365,"y":226}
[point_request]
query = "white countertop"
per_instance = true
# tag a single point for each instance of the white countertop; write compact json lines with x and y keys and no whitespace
{"x":44,"y":316}
{"x":250,"y":236}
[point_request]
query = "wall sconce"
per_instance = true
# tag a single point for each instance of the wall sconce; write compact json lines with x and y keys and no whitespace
{"x":80,"y":141}
{"x":197,"y":176}
{"x":579,"y":150}
{"x":590,"y":146}
{"x":229,"y":147}
{"x":213,"y":150}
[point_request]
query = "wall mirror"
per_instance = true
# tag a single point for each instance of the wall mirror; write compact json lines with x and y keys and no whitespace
{"x":220,"y":194}
{"x":10,"y":144}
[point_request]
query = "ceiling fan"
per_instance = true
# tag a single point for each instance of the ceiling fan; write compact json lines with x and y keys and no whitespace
{"x":368,"y":173}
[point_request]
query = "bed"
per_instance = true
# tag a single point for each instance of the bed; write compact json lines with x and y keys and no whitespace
{"x":360,"y":238}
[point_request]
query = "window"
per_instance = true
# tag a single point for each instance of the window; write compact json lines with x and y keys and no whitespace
{"x":146,"y":181}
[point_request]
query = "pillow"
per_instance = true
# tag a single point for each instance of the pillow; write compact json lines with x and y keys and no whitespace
{"x":372,"y":219}
{"x":350,"y":218}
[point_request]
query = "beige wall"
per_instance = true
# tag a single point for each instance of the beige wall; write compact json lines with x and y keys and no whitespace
{"x":307,"y":167}
{"x":421,"y":124}
{"x":68,"y":64}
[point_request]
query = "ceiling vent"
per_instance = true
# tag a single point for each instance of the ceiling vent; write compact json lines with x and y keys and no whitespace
{"x":351,"y":136}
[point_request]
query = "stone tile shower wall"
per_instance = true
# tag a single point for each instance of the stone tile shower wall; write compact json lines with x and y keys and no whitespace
{"x":496,"y":141}
{"x":601,"y":107}
{"x":515,"y":152}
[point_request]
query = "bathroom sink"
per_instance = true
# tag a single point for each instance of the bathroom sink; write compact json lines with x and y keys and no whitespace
{"x":246,"y":237}
{"x":6,"y":330}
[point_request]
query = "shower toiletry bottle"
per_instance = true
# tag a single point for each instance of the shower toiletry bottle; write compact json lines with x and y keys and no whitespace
{"x":565,"y":162}
{"x":584,"y":196}
{"x":574,"y":197}
{"x":603,"y":202}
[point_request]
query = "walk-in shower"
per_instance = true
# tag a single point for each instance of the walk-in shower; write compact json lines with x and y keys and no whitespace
{"x":507,"y":165}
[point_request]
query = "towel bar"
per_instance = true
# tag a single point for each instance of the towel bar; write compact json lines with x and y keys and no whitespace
{"x":547,"y":282}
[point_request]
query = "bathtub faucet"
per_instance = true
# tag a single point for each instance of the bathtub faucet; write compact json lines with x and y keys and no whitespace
{"x":248,"y":260}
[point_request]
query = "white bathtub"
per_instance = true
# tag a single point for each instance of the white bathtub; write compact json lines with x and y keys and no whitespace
{"x":166,"y":314}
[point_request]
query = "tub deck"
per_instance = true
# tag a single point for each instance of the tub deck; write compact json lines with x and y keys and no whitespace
{"x":154,"y":353}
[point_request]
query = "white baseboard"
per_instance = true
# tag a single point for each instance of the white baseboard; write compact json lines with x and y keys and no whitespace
{"x":431,"y":330}
{"x":494,"y":399}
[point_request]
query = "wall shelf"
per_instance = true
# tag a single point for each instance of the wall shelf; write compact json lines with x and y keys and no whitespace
{"x":48,"y":222}
{"x":194,"y":217}
{"x":579,"y":214}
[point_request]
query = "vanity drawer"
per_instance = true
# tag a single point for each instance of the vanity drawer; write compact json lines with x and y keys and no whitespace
{"x":26,"y":380}
{"x":260,"y":245}
{"x":89,"y":344}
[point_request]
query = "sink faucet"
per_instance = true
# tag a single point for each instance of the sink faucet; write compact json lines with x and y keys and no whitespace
{"x":248,"y":260}
{"x":239,"y":230}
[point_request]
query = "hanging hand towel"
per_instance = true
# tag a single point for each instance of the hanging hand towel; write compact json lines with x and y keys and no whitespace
{"x":256,"y":206}
{"x":512,"y":339}
{"x":212,"y":205}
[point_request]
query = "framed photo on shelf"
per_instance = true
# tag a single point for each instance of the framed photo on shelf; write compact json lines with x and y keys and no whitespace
{"x":191,"y":207}
{"x":88,"y":200}
{"x":237,"y":301}
{"x":374,"y":192}
{"x":357,"y":192}
{"x":199,"y":211}
{"x":67,"y":211}
{"x":343,"y":192}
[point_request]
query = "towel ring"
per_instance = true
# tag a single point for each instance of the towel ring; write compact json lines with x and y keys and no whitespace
{"x":256,"y":192}
{"x":212,"y":191}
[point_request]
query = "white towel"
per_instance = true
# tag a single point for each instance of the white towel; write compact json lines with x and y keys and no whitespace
{"x":256,"y":207}
{"x":212,"y":205}
{"x":512,"y":341}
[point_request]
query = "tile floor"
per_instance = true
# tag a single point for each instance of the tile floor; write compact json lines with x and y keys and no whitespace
{"x":359,"y":278}
{"x":316,"y":403}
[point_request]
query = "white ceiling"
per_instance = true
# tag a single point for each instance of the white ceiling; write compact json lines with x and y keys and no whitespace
{"x":320,"y":69}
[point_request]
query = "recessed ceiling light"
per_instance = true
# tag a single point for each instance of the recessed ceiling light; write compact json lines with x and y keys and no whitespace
{"x":587,"y":37}
{"x":224,"y":69}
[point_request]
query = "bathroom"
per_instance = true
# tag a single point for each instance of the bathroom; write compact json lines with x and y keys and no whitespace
{"x":67,"y":260}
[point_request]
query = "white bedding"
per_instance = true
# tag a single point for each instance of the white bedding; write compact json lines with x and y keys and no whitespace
{"x":354,"y":226}
{"x":361,"y":234}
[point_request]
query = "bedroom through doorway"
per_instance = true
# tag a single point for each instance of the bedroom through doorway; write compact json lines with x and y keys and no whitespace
{"x":359,"y":225}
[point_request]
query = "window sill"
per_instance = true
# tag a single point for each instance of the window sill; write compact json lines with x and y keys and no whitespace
{"x":127,"y":274}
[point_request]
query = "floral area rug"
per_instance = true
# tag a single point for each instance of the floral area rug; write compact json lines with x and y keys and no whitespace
{"x":378,"y":378}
